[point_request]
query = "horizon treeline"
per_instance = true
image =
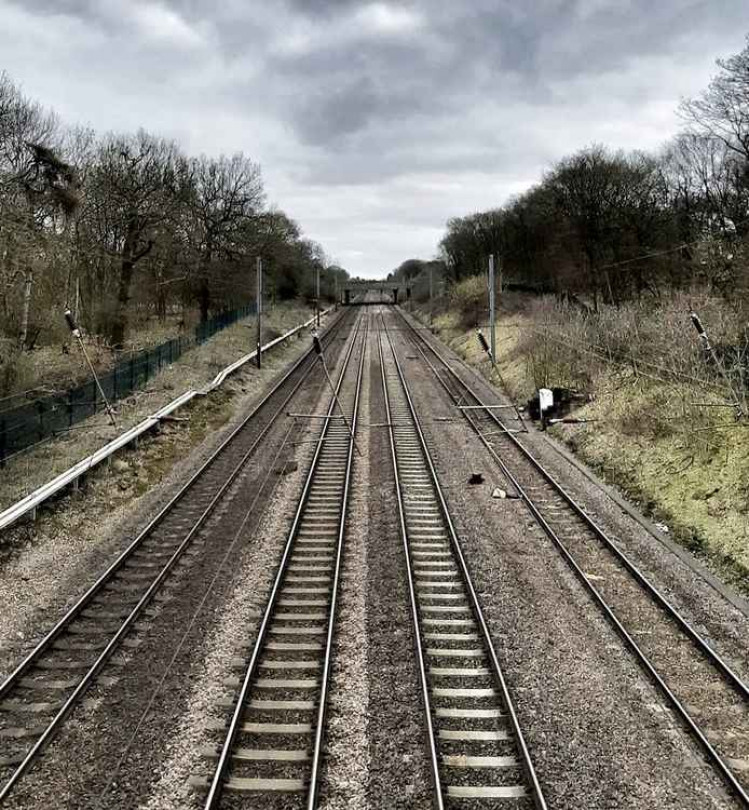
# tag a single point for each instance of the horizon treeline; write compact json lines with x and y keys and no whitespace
{"x":614,"y":225}
{"x":127,"y":222}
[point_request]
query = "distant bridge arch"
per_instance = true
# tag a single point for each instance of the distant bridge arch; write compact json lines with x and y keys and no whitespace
{"x":389,"y":291}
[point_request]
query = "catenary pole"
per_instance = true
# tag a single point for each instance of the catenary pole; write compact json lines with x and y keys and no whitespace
{"x":492,"y":331}
{"x":259,"y":307}
{"x":431,"y":295}
{"x":317,"y":295}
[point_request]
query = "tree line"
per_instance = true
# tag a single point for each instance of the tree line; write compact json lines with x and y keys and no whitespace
{"x":125,"y":221}
{"x":609,"y":226}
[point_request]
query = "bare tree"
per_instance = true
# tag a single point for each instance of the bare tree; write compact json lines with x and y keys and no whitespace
{"x":136,"y":188}
{"x":227,"y":198}
{"x":722,"y":110}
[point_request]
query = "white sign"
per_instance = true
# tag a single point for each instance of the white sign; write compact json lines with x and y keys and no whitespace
{"x":545,"y":399}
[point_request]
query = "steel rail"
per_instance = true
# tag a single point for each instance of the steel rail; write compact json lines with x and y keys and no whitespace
{"x":44,"y":645}
{"x":215,"y":790}
{"x":322,"y":708}
{"x":34,"y":500}
{"x":712,"y":657}
{"x":431,"y":741}
{"x":526,"y":761}
{"x":104,"y":578}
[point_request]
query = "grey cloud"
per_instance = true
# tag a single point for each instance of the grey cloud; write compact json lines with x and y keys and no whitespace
{"x":448,"y":117}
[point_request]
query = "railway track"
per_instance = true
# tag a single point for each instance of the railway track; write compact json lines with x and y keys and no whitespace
{"x":272,"y":745}
{"x":708,"y":697}
{"x":476,"y":747}
{"x":46,"y":686}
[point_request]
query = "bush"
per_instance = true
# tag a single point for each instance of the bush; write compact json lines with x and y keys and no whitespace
{"x":16,"y":369}
{"x":470,"y":298}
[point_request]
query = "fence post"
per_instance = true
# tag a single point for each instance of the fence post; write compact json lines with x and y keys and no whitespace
{"x":3,"y":442}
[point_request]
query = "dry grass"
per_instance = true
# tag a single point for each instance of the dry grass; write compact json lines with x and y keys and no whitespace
{"x":193,"y":370}
{"x":59,"y":365}
{"x":659,"y":427}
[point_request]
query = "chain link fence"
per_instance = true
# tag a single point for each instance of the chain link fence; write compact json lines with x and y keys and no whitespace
{"x":25,"y":426}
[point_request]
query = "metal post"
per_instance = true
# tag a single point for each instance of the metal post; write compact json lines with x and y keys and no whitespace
{"x":259,"y":306}
{"x":711,"y":354}
{"x":317,"y":295}
{"x":76,"y":332}
{"x":492,"y":332}
{"x":431,"y":296}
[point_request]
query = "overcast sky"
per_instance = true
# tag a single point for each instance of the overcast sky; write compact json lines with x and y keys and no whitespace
{"x":375,"y":122}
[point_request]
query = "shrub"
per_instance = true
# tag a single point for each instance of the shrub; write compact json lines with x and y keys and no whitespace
{"x":471,"y":298}
{"x":16,"y":368}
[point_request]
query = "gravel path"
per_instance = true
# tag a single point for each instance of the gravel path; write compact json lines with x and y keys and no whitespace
{"x":597,"y":730}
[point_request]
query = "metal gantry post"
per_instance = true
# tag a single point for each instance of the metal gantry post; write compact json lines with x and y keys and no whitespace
{"x":317,"y":295}
{"x":431,"y":295}
{"x":492,"y":313}
{"x":259,"y":307}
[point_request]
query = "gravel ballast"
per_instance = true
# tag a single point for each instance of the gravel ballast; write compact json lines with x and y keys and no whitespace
{"x":399,"y":771}
{"x":46,"y":565}
{"x":169,"y":655}
{"x":693,"y":590}
{"x":598,"y":732}
{"x":346,"y":769}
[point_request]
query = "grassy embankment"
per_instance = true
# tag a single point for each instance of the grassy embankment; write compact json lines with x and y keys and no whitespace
{"x":56,"y":364}
{"x":658,"y":427}
{"x":195,"y":369}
